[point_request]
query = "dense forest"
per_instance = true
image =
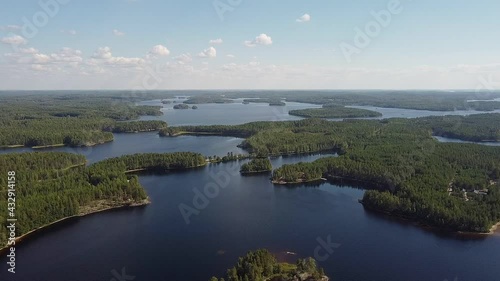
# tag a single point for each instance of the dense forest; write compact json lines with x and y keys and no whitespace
{"x":257,"y":165}
{"x":51,"y":186}
{"x":47,"y":120}
{"x":478,"y":127}
{"x":181,"y":106}
{"x":261,"y":265}
{"x":334,"y":111}
{"x":447,"y":185}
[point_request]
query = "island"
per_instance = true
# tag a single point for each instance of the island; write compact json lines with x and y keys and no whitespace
{"x":194,"y":107}
{"x":47,"y":179}
{"x":395,"y":159}
{"x":181,"y":106}
{"x":257,"y":165}
{"x":262,"y":265}
{"x":334,"y":111}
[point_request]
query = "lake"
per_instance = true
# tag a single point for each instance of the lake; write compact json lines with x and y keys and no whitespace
{"x":155,"y":242}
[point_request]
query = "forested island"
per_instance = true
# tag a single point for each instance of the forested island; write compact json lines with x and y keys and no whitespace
{"x":451,"y":186}
{"x":52,"y":186}
{"x":59,"y":120}
{"x":334,"y":111}
{"x":261,"y":265}
{"x":257,"y":165}
{"x":181,"y":106}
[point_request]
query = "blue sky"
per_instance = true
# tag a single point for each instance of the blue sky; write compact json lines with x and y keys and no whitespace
{"x":299,"y":44}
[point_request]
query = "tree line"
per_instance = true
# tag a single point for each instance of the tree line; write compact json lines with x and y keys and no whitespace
{"x":261,"y":265}
{"x":52,"y":185}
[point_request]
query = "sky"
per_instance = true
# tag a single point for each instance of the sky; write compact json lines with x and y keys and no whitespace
{"x":249,"y":44}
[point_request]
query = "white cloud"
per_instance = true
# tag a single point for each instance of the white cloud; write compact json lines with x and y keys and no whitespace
{"x":14,"y":40}
{"x":208,"y":53}
{"x":103,"y":53}
{"x":116,"y":32}
{"x":104,"y":56}
{"x":304,"y":18}
{"x":11,"y":27}
{"x":231,"y":56}
{"x":28,"y":50}
{"x":262,"y":39}
{"x":184,"y":58}
{"x":159,"y":50}
{"x":39,"y":67}
{"x":216,"y":41}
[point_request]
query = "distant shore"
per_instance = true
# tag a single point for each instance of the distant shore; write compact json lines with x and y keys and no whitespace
{"x":51,"y":145}
{"x":144,"y":202}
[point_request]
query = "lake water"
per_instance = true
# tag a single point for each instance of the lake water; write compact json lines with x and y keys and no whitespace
{"x":154,"y":243}
{"x":225,"y":114}
{"x":443,"y":139}
{"x":413,"y":113}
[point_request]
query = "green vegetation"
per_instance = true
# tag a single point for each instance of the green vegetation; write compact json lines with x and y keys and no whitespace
{"x":73,"y":120}
{"x":228,"y":158}
{"x":257,"y":165}
{"x":181,"y":106}
{"x":334,"y":111}
{"x":421,"y":100}
{"x":479,"y":127}
{"x":138,"y":126}
{"x":261,"y":265}
{"x":208,"y":98}
{"x":51,"y":186}
{"x":414,"y":175}
{"x":271,"y":102}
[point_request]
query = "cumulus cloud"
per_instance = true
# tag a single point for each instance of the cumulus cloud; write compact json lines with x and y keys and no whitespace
{"x":262,"y":39}
{"x":14,"y":40}
{"x":104,"y":55}
{"x":208,"y":53}
{"x":216,"y":41}
{"x":28,"y":50}
{"x":183,"y":59}
{"x":116,"y":32}
{"x":304,"y":18}
{"x":159,"y":50}
{"x":230,"y":56}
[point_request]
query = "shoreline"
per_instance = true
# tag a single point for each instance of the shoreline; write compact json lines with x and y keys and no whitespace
{"x":422,"y":224}
{"x":19,"y":239}
{"x":39,"y":147}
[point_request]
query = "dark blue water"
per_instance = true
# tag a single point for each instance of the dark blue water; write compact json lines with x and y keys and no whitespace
{"x":245,"y":213}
